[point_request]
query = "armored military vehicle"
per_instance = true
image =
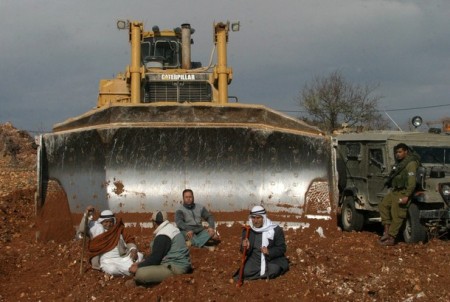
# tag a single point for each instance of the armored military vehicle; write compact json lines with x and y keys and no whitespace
{"x":365,"y":161}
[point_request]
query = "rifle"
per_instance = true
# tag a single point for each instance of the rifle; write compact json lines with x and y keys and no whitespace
{"x":399,"y":166}
{"x":395,"y":171}
{"x":244,"y":256}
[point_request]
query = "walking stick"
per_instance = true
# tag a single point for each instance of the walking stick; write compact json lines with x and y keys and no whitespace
{"x":244,"y":256}
{"x":86,"y":221}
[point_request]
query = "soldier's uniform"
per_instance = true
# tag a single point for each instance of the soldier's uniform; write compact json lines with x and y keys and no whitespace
{"x":403,"y":184}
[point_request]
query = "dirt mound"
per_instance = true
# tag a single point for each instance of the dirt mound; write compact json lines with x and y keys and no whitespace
{"x":17,"y":180}
{"x":325,"y":263}
{"x":17,"y":147}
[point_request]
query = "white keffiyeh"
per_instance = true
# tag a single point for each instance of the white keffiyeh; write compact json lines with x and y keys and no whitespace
{"x":267,"y":230}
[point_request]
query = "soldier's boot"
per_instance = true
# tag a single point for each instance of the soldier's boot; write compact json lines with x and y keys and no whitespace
{"x":385,"y":233}
{"x":388,"y":242}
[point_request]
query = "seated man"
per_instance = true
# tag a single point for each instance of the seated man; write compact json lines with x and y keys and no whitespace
{"x":189,"y":217}
{"x":111,"y":248}
{"x":169,"y":254}
{"x":265,"y":248}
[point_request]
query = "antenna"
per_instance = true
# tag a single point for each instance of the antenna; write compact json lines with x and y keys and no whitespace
{"x":393,"y":121}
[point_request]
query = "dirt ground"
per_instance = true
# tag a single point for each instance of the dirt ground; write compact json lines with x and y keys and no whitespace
{"x":338,"y":267}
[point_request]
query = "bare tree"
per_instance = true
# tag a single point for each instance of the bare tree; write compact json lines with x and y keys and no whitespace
{"x":332,"y":102}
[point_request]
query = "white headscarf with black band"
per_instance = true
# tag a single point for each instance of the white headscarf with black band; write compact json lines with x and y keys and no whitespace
{"x":105,"y":215}
{"x":267,"y":231}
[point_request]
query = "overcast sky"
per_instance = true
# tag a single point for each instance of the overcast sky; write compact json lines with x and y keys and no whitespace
{"x":53,"y":53}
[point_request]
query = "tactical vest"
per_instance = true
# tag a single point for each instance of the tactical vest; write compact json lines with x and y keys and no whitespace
{"x":400,"y":181}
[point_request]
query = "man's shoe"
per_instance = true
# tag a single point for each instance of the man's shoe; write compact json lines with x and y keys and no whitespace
{"x":383,"y":238}
{"x":216,"y":236}
{"x":211,"y":248}
{"x":385,"y":233}
{"x":388,"y":242}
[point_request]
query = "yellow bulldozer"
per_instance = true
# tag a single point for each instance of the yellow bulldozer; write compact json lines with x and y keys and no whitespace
{"x":165,"y":124}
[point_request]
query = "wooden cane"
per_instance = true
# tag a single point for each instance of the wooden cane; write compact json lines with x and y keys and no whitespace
{"x":244,"y":256}
{"x":86,"y":221}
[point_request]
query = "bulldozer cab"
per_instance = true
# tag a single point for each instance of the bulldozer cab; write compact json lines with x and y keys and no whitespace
{"x":161,"y":69}
{"x":161,"y":52}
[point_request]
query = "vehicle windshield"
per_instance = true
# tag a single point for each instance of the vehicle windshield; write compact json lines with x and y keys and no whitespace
{"x":163,"y":49}
{"x":433,"y":155}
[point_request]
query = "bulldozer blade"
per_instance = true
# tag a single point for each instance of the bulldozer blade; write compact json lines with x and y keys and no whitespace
{"x":231,"y":167}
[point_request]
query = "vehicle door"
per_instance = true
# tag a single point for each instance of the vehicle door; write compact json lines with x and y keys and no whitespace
{"x":376,"y":172}
{"x":356,"y":165}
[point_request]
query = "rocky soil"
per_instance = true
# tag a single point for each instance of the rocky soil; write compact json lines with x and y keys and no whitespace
{"x":338,"y":267}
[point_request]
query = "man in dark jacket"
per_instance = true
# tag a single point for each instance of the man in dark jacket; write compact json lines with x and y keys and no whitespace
{"x":266,"y":248}
{"x":394,"y":206}
{"x":169,"y":254}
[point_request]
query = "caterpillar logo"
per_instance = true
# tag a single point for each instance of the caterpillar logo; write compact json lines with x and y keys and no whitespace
{"x":177,"y":77}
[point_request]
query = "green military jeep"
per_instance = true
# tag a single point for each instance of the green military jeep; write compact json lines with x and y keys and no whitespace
{"x":364,"y":163}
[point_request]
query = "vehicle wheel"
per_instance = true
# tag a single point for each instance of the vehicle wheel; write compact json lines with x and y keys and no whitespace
{"x":351,"y":218}
{"x":414,"y":231}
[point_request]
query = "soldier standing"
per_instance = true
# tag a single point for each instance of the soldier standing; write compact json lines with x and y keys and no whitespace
{"x":394,"y":206}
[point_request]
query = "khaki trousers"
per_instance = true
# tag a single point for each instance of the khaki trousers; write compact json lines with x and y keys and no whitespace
{"x":392,"y":212}
{"x":156,"y":273}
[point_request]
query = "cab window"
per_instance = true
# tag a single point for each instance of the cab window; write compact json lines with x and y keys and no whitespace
{"x":376,"y":158}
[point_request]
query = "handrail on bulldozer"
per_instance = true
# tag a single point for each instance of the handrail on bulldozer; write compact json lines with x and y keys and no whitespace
{"x":221,"y":71}
{"x":136,"y":71}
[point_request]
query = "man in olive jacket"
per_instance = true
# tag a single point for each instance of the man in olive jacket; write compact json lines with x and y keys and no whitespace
{"x":394,"y":206}
{"x":189,"y":219}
